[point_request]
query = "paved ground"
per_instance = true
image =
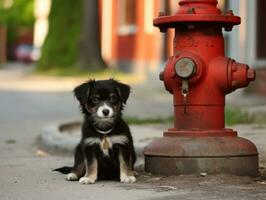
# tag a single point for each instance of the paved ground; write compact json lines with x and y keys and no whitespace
{"x":25,"y":173}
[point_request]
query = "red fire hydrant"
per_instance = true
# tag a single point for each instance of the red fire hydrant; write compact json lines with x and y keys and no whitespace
{"x":199,"y":76}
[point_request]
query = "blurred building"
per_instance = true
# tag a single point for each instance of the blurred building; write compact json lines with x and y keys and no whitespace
{"x":130,"y":42}
{"x":16,"y":30}
{"x":247,"y":42}
{"x":129,"y":39}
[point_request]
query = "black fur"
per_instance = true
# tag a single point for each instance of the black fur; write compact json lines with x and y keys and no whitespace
{"x":115,"y":94}
{"x":64,"y":170}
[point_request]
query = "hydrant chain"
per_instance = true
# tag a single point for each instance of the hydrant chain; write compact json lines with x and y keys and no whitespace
{"x":184,"y":92}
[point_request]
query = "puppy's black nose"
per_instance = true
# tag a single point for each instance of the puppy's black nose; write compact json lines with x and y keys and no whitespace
{"x":105,"y":112}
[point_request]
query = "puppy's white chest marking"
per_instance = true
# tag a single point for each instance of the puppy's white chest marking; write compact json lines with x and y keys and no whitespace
{"x":107,"y":142}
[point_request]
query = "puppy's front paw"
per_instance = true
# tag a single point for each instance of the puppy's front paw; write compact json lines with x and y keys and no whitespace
{"x":87,"y":180}
{"x":127,"y":179}
{"x":71,"y":177}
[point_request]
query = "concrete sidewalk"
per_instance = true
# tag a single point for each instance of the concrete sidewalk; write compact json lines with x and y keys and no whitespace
{"x":26,"y":172}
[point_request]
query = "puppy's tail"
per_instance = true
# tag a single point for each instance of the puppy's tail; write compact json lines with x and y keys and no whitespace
{"x":64,"y":170}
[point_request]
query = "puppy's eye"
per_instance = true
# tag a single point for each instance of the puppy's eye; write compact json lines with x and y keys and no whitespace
{"x":95,"y":100}
{"x":113,"y":98}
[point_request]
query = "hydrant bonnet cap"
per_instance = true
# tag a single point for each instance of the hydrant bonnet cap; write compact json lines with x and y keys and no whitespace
{"x":197,"y":11}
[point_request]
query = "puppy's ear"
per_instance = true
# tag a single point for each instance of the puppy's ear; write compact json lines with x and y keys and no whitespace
{"x":82,"y":92}
{"x":123,"y":91}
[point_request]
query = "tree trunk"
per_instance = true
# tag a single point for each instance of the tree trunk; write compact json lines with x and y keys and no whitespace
{"x":90,"y":51}
{"x":61,"y":46}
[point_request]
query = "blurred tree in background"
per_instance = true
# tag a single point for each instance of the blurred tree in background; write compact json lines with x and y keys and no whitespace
{"x":90,"y":51}
{"x":3,"y":13}
{"x":90,"y":57}
{"x":19,"y":13}
{"x":73,"y":37}
{"x":17,"y":17}
{"x":60,"y":48}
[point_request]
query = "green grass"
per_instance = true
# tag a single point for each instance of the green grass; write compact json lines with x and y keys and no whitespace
{"x":155,"y":120}
{"x":233,"y":116}
{"x":237,"y":116}
{"x":68,"y":72}
{"x":77,"y":72}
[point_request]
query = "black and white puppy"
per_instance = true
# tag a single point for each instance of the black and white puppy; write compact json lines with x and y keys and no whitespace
{"x":106,"y":148}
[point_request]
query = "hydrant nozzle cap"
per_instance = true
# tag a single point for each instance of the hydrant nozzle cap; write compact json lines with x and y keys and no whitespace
{"x":185,"y":67}
{"x":251,"y":74}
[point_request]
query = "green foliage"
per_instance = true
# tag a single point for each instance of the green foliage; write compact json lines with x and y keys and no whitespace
{"x":232,"y":116}
{"x":76,"y":71}
{"x":151,"y":120}
{"x":21,"y":13}
{"x":237,"y":116}
{"x":61,"y":46}
{"x":17,"y":14}
{"x":3,"y":14}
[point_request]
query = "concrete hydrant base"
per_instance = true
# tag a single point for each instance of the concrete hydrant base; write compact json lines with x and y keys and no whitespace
{"x":191,"y":155}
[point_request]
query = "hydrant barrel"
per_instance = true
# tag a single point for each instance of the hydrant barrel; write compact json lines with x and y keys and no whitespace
{"x":198,"y":37}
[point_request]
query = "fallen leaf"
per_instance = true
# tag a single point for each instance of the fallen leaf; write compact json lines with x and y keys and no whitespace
{"x":10,"y":141}
{"x":41,"y":153}
{"x":203,"y":174}
{"x":167,"y":187}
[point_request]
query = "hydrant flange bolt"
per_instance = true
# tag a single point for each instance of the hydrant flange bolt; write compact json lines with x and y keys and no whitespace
{"x":228,"y":28}
{"x":161,"y":14}
{"x":161,"y":76}
{"x":229,"y":12}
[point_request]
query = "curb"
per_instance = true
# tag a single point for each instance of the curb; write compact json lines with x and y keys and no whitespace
{"x":53,"y":138}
